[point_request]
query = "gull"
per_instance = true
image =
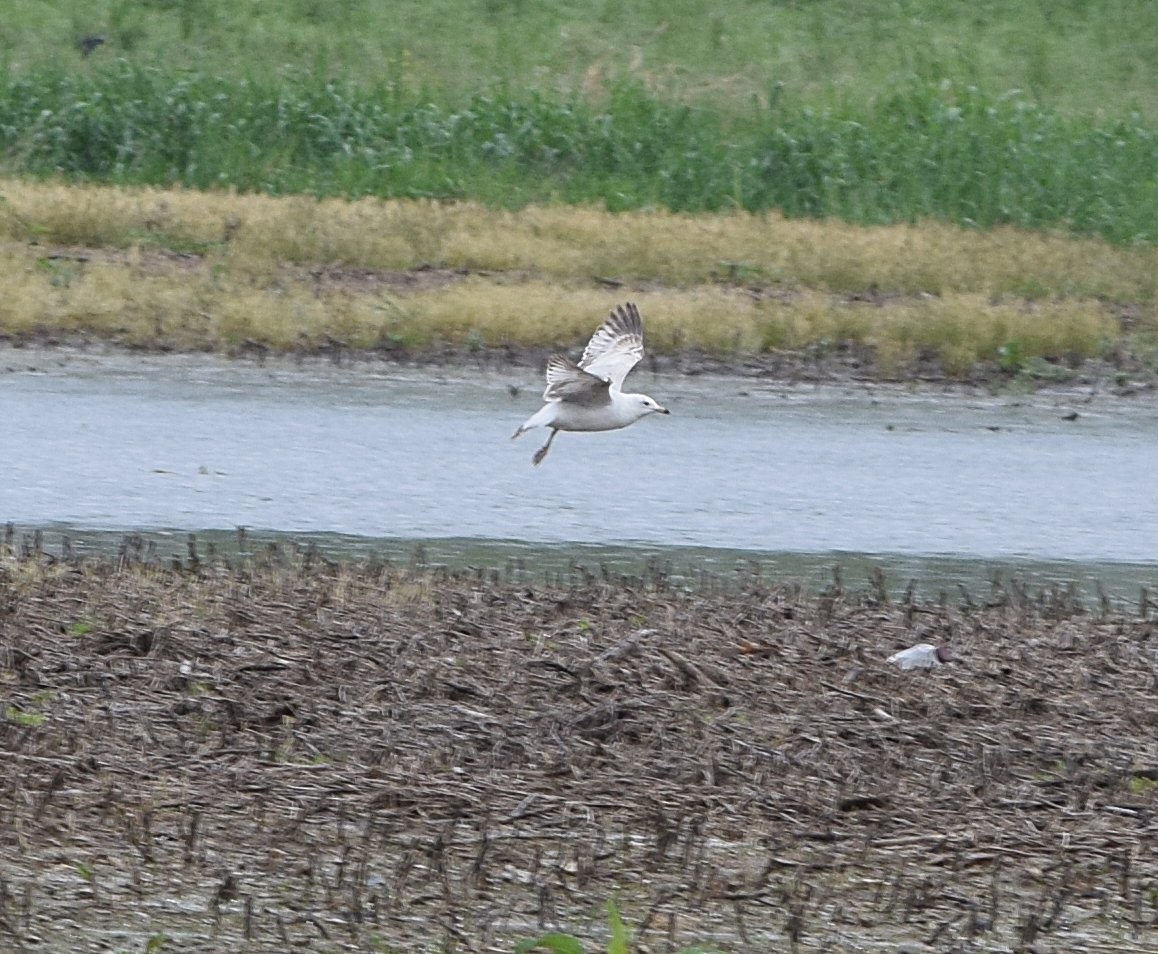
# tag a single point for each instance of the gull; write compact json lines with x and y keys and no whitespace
{"x":589,"y":396}
{"x":921,"y":656}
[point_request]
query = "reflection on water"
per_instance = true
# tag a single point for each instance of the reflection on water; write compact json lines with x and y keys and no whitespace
{"x":537,"y":563}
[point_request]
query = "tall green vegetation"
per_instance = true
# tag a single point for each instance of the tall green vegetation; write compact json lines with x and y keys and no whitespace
{"x":1039,"y":115}
{"x":941,"y":151}
{"x":1073,"y":57}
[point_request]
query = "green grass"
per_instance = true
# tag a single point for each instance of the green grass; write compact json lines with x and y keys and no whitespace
{"x":619,"y":939}
{"x":1070,"y":56}
{"x":944,"y":152}
{"x":1034,"y":114}
{"x":18,"y":716}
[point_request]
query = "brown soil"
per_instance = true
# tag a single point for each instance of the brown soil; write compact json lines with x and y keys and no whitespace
{"x":282,"y":752}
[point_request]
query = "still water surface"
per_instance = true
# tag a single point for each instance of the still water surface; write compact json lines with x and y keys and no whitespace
{"x":192,"y":443}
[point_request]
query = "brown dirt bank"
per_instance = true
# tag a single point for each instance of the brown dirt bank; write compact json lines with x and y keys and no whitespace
{"x":284,"y":752}
{"x":1128,"y":376}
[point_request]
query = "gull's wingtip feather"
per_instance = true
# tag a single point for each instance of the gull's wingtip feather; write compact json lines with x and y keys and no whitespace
{"x":616,"y":346}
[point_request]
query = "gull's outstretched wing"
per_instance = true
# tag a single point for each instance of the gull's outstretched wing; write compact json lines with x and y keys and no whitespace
{"x":568,"y":382}
{"x":616,"y":347}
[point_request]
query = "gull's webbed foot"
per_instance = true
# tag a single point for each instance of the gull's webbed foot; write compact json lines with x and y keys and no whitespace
{"x":542,"y":451}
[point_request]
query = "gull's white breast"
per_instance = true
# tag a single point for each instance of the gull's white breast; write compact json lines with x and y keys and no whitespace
{"x":608,"y":417}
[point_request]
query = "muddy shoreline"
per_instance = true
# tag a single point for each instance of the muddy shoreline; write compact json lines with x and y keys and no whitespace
{"x":838,"y":366}
{"x":280,"y":750}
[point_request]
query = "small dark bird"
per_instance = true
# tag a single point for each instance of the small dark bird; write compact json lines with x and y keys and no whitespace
{"x":89,"y":43}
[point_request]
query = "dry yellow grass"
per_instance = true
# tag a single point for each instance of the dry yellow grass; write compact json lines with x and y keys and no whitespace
{"x":569,"y":242}
{"x":187,"y":270}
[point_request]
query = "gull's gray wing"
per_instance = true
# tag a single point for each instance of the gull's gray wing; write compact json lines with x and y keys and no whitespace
{"x":616,"y":347}
{"x":568,"y":382}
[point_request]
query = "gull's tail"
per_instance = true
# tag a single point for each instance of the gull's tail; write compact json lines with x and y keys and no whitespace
{"x":544,"y":417}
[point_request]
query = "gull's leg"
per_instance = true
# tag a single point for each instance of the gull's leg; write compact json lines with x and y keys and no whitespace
{"x":542,"y":451}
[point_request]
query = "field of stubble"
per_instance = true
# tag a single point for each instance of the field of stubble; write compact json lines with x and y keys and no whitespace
{"x":278,"y":752}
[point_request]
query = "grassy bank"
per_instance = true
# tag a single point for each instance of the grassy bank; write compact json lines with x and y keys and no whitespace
{"x":185,"y":270}
{"x":921,"y":150}
{"x":1022,"y":114}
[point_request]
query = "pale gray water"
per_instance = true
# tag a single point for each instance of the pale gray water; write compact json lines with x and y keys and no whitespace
{"x":133,"y":442}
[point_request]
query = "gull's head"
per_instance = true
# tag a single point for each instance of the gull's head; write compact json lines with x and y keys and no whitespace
{"x":646,"y":405}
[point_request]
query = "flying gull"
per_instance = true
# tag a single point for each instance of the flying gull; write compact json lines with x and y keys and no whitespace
{"x":589,"y":396}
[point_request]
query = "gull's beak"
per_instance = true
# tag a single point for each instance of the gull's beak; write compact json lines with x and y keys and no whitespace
{"x":663,"y":410}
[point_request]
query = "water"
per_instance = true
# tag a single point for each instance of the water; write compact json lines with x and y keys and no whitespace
{"x":113,"y":443}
